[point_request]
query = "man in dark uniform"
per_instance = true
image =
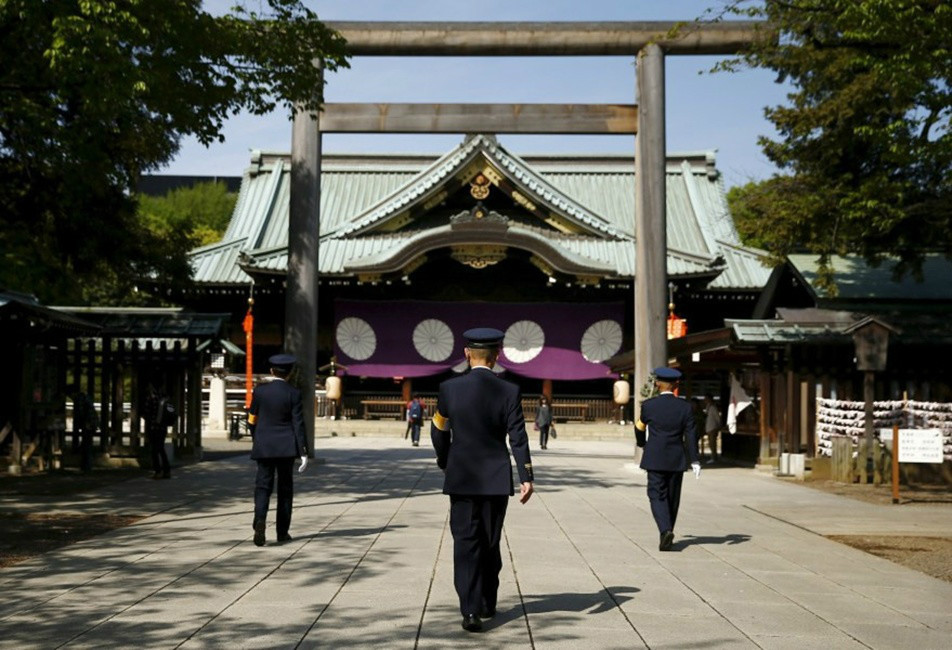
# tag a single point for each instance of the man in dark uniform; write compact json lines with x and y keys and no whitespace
{"x":276,"y":420}
{"x":474,"y":414}
{"x":669,"y":423}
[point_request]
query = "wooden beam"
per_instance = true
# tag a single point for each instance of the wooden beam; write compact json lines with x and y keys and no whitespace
{"x":547,"y":38}
{"x":480,"y":118}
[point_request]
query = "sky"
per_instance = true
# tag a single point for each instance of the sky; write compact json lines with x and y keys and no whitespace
{"x":704,"y":111}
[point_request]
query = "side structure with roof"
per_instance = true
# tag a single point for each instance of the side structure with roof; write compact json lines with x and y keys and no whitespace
{"x":435,"y":238}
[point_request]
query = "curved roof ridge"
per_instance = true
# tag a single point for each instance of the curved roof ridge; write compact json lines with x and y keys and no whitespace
{"x":542,"y":188}
{"x":415,"y":187}
{"x":456,"y":159}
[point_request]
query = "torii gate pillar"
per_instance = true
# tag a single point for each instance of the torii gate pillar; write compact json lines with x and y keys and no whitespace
{"x":651,"y":274}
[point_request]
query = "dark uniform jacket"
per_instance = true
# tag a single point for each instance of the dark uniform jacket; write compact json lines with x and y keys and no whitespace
{"x":474,"y":414}
{"x":276,"y":419}
{"x":672,"y":436}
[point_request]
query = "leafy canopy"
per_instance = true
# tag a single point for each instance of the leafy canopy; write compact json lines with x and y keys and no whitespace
{"x":95,"y":93}
{"x":864,"y":142}
{"x":202,"y":210}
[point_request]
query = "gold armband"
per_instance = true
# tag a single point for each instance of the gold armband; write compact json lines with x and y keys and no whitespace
{"x":440,"y":422}
{"x":641,"y":426}
{"x":252,"y":418}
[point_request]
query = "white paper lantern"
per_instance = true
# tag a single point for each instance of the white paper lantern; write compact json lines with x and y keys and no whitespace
{"x":332,"y":387}
{"x":601,"y":340}
{"x":523,"y":341}
{"x":356,"y":338}
{"x":433,"y":339}
{"x":621,"y":392}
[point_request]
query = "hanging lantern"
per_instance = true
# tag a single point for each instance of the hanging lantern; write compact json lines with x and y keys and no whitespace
{"x":677,"y":327}
{"x":249,"y":327}
{"x":332,"y":385}
{"x":621,"y":392}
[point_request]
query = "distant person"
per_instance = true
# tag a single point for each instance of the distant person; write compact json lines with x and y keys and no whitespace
{"x":415,"y":412}
{"x":665,"y":429}
{"x":158,"y":414}
{"x":276,"y":421}
{"x":712,"y":425}
{"x":543,"y":421}
{"x":474,"y":415}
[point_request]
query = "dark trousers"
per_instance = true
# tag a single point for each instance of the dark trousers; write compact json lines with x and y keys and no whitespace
{"x":544,"y":435}
{"x":264,"y":484}
{"x":160,"y":460}
{"x":476,"y":524}
{"x":664,"y":493}
{"x":415,"y":431}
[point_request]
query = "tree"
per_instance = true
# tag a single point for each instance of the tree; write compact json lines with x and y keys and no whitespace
{"x":865,"y":143}
{"x":95,"y":93}
{"x":202,"y":210}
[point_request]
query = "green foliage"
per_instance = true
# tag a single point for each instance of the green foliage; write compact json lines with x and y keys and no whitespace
{"x":95,"y":93}
{"x":202,"y":211}
{"x":865,"y":140}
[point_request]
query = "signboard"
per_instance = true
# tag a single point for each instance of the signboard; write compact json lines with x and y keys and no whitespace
{"x":917,"y":445}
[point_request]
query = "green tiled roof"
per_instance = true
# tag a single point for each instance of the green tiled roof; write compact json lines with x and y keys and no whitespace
{"x":597,"y":193}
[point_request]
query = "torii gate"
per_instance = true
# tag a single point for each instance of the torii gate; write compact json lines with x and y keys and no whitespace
{"x":648,"y":41}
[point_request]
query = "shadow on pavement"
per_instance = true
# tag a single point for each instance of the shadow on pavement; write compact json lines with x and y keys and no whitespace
{"x":691,"y":540}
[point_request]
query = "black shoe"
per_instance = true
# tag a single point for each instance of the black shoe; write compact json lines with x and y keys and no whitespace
{"x":259,"y":533}
{"x":471,"y":623}
{"x":666,"y":538}
{"x":487,"y":613}
{"x":165,"y":476}
{"x":285,"y":538}
{"x":156,"y":475}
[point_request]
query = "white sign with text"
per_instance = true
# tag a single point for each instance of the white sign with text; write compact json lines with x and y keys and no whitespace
{"x":917,"y":445}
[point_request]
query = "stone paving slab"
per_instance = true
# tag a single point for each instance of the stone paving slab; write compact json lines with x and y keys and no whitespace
{"x":371,"y":563}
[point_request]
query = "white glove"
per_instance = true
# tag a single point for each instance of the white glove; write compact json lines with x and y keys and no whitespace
{"x":304,"y":464}
{"x":697,"y":470}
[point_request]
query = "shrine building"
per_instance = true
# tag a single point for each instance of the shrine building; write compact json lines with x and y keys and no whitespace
{"x":414,"y":249}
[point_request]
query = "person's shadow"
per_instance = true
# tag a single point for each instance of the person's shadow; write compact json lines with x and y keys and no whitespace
{"x":597,"y":602}
{"x":690,"y":540}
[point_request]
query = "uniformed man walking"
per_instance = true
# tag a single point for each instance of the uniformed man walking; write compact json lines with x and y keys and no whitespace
{"x":276,"y":420}
{"x":474,"y":414}
{"x":671,"y":439}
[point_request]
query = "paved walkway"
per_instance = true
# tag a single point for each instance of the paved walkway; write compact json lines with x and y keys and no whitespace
{"x":371,"y":563}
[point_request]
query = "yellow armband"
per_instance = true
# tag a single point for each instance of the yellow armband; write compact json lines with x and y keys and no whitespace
{"x":440,"y":422}
{"x":252,"y":418}
{"x":641,"y":426}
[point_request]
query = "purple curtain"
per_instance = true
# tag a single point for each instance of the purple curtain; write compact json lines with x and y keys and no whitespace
{"x":418,"y":338}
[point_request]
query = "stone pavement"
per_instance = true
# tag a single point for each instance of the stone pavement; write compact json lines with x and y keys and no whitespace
{"x":371,"y":563}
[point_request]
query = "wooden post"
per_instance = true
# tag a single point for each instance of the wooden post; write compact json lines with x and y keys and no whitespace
{"x":865,"y":460}
{"x":842,"y":460}
{"x":134,"y":396}
{"x":895,"y":464}
{"x":304,"y":226}
{"x":193,"y":409}
{"x":651,"y":274}
{"x":105,"y":394}
{"x":766,"y":404}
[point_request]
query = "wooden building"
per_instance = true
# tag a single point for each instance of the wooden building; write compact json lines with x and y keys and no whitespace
{"x":110,"y":354}
{"x":413,"y":249}
{"x":800,"y":349}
